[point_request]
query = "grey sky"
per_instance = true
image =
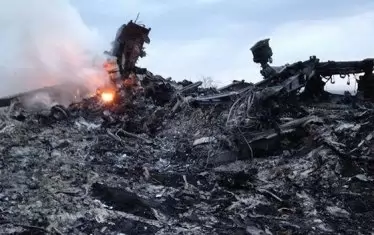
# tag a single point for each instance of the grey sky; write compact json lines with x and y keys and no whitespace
{"x":198,"y":38}
{"x":46,"y":42}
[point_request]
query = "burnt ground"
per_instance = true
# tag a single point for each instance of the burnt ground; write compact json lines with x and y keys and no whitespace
{"x":83,"y":175}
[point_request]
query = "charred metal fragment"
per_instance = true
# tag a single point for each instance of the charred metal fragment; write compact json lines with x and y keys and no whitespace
{"x":224,"y":97}
{"x":262,"y":54}
{"x":189,"y":88}
{"x":123,"y":200}
{"x":235,"y":85}
{"x":59,"y":112}
{"x":158,"y":89}
{"x":270,"y":139}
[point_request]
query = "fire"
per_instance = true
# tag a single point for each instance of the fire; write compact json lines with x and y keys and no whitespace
{"x":107,"y":96}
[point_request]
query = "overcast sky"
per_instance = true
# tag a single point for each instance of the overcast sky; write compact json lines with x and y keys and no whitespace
{"x":191,"y":39}
{"x":45,"y":42}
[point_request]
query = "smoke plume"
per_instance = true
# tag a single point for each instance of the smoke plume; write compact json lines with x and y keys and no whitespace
{"x":46,"y":42}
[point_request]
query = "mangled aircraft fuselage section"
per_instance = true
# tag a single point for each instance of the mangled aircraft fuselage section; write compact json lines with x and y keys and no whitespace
{"x":128,"y":46}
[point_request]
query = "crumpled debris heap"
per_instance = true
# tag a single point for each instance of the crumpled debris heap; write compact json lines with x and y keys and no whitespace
{"x":175,"y":158}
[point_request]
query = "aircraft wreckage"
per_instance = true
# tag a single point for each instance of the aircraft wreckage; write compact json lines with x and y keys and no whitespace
{"x":279,"y":81}
{"x":149,"y":155}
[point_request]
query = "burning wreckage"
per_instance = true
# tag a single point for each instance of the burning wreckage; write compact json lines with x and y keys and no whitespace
{"x":148,"y":155}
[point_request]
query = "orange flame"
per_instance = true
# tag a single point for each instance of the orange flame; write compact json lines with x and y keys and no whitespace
{"x":107,"y":96}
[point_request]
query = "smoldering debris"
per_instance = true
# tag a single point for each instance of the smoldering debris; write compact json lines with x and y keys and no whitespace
{"x":45,"y":98}
{"x":166,"y":157}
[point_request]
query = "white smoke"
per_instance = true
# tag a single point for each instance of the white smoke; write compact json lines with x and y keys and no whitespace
{"x":38,"y":101}
{"x":46,"y":42}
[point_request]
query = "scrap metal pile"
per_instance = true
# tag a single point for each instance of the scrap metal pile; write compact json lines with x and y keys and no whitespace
{"x":166,"y":157}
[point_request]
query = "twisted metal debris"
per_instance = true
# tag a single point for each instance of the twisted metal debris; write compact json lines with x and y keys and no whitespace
{"x":178,"y":159}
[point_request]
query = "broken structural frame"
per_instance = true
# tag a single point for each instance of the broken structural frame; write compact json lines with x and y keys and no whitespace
{"x":290,"y":78}
{"x":131,"y":38}
{"x":309,"y":73}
